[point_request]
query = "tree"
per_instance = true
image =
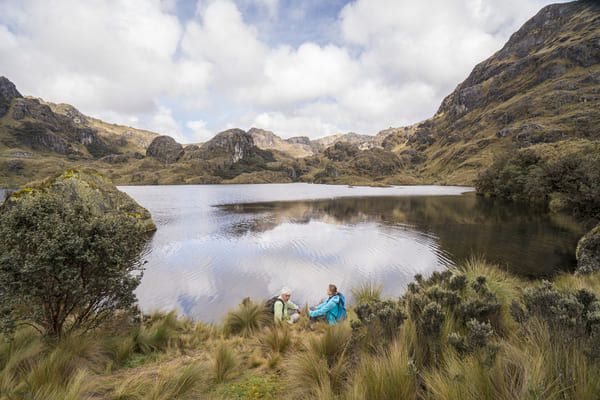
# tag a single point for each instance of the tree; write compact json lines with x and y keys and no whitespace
{"x":63,"y":268}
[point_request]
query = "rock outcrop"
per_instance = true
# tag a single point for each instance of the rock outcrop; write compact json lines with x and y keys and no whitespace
{"x":8,"y":91}
{"x":588,"y":252}
{"x":91,"y":191}
{"x":234,"y":144}
{"x":165,"y":149}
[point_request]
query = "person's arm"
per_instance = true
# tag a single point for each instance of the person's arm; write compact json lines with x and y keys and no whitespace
{"x":292,"y":306}
{"x":278,"y":310}
{"x":324,"y":308}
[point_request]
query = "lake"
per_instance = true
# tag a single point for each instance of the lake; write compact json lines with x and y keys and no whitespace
{"x":216,"y":244}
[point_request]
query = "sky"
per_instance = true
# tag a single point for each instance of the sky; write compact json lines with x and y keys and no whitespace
{"x":192,"y":68}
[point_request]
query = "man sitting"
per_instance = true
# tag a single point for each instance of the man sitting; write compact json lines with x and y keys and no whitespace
{"x":283,"y":305}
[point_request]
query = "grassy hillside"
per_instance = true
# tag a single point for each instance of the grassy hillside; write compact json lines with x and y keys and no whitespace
{"x":541,"y":88}
{"x":475,"y":332}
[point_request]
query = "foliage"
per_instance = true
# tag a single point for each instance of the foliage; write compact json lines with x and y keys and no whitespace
{"x":62,"y":268}
{"x":571,"y":182}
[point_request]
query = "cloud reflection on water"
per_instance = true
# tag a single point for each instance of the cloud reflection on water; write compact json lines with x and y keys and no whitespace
{"x":205,"y":259}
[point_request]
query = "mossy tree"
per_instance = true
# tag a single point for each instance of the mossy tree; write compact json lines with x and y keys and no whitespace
{"x":63,"y":268}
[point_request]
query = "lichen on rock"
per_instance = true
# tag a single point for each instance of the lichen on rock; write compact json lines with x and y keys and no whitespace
{"x":90,"y":191}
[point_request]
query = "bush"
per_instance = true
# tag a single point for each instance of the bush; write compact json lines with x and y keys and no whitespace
{"x":570,"y":183}
{"x":62,"y":268}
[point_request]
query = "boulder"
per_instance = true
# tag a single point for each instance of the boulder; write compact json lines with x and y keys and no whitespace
{"x":588,"y":252}
{"x":91,"y":191}
{"x":165,"y":149}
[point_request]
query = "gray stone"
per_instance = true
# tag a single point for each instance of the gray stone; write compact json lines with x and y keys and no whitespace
{"x":165,"y":149}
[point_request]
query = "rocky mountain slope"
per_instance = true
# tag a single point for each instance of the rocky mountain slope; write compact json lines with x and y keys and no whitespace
{"x":541,"y":92}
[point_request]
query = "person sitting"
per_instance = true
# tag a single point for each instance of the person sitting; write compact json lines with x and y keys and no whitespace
{"x":282,"y":307}
{"x":331,"y":310}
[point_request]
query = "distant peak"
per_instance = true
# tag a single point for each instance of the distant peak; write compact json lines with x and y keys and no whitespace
{"x":8,"y":90}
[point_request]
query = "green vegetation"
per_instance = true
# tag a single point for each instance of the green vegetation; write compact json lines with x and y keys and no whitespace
{"x":474,"y":332}
{"x":569,"y":183}
{"x":63,"y":268}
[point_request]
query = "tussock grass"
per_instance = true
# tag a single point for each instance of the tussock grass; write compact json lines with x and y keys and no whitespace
{"x":276,"y":339}
{"x":474,"y":332}
{"x":320,"y":369}
{"x":366,"y":292}
{"x":247,"y":319}
{"x":225,"y":362}
{"x":388,"y":375}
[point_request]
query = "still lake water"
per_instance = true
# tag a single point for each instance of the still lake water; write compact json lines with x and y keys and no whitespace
{"x":217,"y":244}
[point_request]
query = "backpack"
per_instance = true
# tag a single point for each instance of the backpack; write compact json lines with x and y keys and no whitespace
{"x":342,"y":314}
{"x":270,"y":304}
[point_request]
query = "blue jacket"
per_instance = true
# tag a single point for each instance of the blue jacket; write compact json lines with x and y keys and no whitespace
{"x":331,"y":308}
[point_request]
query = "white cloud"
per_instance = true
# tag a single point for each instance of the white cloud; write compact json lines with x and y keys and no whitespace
{"x":225,"y":41}
{"x":200,"y":132}
{"x":163,"y":122}
{"x":122,"y":60}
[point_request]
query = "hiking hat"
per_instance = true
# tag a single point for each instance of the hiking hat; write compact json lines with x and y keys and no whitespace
{"x":286,"y":290}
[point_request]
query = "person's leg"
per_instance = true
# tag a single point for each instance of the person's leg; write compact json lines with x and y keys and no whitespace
{"x":294,"y":317}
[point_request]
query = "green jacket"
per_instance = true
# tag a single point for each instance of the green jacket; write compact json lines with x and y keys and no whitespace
{"x":281,"y":310}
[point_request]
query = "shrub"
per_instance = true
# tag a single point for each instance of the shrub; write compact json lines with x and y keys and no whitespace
{"x":570,"y":183}
{"x":62,"y":268}
{"x":382,"y":318}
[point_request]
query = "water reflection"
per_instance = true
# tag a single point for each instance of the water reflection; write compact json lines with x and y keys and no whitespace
{"x":524,"y":240}
{"x":216,"y":245}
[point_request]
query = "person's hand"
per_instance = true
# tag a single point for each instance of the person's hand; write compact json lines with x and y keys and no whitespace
{"x":299,"y":311}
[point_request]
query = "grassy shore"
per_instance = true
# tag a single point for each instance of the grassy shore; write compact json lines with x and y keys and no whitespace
{"x":474,"y":332}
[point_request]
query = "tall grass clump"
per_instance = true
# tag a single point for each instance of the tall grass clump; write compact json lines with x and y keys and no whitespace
{"x":366,"y":292}
{"x":390,"y":374}
{"x":40,"y":370}
{"x":247,"y":319}
{"x":320,"y":370}
{"x":276,"y":339}
{"x":170,"y":382}
{"x":225,"y":362}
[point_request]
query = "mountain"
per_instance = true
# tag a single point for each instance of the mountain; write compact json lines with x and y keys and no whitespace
{"x":29,"y":125}
{"x":540,"y":91}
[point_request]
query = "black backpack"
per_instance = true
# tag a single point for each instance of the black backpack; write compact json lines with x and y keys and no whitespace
{"x":270,"y":304}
